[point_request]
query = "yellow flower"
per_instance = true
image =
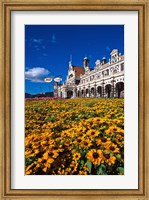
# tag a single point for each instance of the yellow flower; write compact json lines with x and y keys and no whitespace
{"x":44,"y":169}
{"x":50,"y":160}
{"x":76,"y":156}
{"x":98,"y":141}
{"x":95,"y":156}
{"x":36,"y":151}
{"x":56,"y":131}
{"x":86,"y":143}
{"x":40,"y":159}
{"x":45,"y":156}
{"x":28,"y":172}
{"x":109,"y":159}
{"x":27,"y":153}
{"x":82,"y":172}
{"x":53,"y":153}
{"x":92,"y":133}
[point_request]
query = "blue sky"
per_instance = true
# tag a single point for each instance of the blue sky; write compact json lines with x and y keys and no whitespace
{"x":48,"y":49}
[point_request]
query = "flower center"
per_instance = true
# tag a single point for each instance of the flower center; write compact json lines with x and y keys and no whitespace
{"x":95,"y":155}
{"x":85,"y":143}
{"x":107,"y":156}
{"x":103,"y":139}
{"x":112,"y":148}
{"x":92,"y":133}
{"x":51,"y":154}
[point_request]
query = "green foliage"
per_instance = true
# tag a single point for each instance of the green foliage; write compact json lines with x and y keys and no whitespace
{"x":101,"y":170}
{"x":89,"y":166}
{"x":81,"y":162}
{"x":120,"y":170}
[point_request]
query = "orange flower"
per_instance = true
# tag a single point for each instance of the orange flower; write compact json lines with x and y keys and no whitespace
{"x":95,"y":156}
{"x":92,"y":133}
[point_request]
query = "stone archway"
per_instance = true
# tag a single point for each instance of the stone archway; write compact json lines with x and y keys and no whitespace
{"x":78,"y":93}
{"x":92,"y":91}
{"x":99,"y":91}
{"x":119,"y":89}
{"x":108,"y":90}
{"x":69,"y":94}
{"x":82,"y":93}
{"x":87,"y":92}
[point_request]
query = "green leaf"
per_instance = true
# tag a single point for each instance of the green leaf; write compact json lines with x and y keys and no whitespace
{"x":89,"y":165}
{"x":81,"y":164}
{"x":118,"y":156}
{"x":28,"y":161}
{"x":101,"y":170}
{"x":120,"y":170}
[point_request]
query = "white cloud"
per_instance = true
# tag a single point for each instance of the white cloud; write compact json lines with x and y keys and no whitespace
{"x":36,"y":43}
{"x":39,"y":41}
{"x":53,"y":40}
{"x":36,"y":74}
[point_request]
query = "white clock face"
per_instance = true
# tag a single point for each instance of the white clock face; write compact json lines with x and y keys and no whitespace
{"x":57,"y":79}
{"x":48,"y":80}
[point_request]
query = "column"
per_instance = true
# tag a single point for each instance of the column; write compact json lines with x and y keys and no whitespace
{"x":89,"y":92}
{"x":83,"y":91}
{"x":103,"y":89}
{"x":74,"y":93}
{"x":112,"y":88}
{"x":65,"y":94}
{"x":95,"y":92}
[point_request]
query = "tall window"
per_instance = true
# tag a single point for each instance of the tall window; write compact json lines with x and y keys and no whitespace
{"x":107,"y":72}
{"x":122,"y":67}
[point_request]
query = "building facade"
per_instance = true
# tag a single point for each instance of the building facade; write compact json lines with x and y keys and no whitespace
{"x":106,"y":79}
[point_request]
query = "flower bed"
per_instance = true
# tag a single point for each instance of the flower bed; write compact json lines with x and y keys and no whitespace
{"x":74,"y":137}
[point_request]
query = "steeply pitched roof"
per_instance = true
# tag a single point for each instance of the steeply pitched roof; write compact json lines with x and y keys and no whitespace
{"x":78,"y":70}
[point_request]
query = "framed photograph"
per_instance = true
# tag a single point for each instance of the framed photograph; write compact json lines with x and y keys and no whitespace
{"x":74,"y":79}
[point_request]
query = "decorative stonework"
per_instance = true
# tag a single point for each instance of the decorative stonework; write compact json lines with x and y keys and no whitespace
{"x":105,"y":80}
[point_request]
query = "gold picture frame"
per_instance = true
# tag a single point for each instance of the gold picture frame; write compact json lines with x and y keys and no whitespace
{"x":5,"y":98}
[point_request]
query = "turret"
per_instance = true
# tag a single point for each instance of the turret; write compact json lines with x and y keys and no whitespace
{"x":86,"y":64}
{"x":114,"y":55}
{"x":103,"y":60}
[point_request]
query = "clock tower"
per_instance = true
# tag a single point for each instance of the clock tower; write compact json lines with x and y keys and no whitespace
{"x":86,"y":64}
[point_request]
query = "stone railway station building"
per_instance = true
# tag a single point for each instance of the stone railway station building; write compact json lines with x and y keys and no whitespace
{"x":105,"y":80}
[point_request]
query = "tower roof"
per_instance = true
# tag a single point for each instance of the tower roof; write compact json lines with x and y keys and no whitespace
{"x":78,"y":70}
{"x":85,"y":58}
{"x":114,"y":51}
